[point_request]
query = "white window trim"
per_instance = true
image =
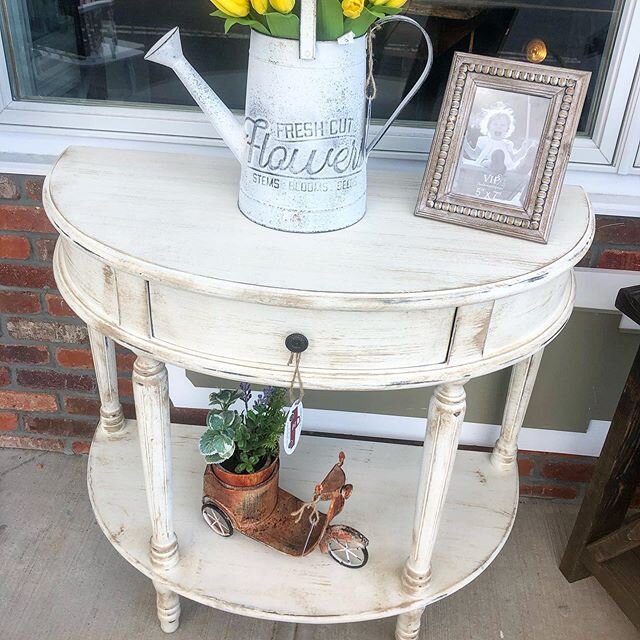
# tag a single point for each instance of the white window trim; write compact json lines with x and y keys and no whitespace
{"x":32,"y":134}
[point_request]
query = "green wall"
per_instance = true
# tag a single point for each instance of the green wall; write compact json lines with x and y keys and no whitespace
{"x":581,"y":377}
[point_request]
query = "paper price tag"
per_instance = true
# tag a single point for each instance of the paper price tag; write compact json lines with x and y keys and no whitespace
{"x":293,"y":427}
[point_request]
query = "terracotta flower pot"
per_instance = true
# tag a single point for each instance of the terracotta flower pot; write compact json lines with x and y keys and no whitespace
{"x":247,"y":498}
{"x":244,"y":479}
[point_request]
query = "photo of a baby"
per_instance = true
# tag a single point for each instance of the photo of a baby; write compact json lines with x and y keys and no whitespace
{"x":500,"y":146}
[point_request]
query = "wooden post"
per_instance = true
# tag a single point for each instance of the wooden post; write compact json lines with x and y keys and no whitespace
{"x":446,"y":414}
{"x":604,"y":542}
{"x":151,"y":395}
{"x":523,"y":377}
{"x":615,"y":478}
{"x":104,"y":360}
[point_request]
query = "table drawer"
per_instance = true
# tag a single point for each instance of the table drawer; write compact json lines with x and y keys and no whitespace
{"x":235,"y":331}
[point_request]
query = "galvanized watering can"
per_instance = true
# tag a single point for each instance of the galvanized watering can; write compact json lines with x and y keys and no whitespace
{"x":303,"y":147}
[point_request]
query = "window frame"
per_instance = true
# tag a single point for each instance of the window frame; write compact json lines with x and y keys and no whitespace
{"x":34,"y":132}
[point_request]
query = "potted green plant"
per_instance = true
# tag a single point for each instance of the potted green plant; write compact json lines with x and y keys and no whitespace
{"x":242,"y":447}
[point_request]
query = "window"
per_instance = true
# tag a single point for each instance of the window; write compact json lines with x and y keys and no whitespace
{"x":83,"y":51}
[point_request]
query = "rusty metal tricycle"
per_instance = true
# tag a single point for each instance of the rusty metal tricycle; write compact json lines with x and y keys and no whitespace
{"x":265,"y":512}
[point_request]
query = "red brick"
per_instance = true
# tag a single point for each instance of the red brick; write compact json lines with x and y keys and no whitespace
{"x":74,"y":358}
{"x":62,"y":427}
{"x":48,"y":379}
{"x":24,"y":218}
{"x":185,"y":415}
{"x":574,"y":472}
{"x":33,"y":188}
{"x":57,"y":306}
{"x":9,"y":189}
{"x":525,"y":467}
{"x":44,"y":248}
{"x":8,"y":421}
{"x":81,"y":448}
{"x":25,"y":401}
{"x":81,"y":359}
{"x":14,"y":247}
{"x":125,"y":387}
{"x":82,"y":406}
{"x":548,"y":491}
{"x":619,"y":259}
{"x":40,"y":330}
{"x":26,"y":276}
{"x":124,"y":361}
{"x":91,"y":407}
{"x":26,"y":442}
{"x":617,"y":230}
{"x":19,"y":302}
{"x":23,"y":353}
{"x":5,"y":377}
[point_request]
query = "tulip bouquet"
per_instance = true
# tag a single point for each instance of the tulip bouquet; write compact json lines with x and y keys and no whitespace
{"x":280,"y":18}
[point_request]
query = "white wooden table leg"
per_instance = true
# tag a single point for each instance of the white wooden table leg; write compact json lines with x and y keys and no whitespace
{"x":446,"y":414}
{"x":408,"y":624}
{"x":168,"y":605}
{"x":523,"y":377}
{"x":104,"y":359}
{"x":151,"y":395}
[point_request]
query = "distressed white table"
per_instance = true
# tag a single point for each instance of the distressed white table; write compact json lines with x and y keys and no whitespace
{"x":154,"y":254}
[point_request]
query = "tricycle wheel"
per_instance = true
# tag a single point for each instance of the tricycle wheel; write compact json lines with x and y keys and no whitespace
{"x":217,"y":519}
{"x":348,"y":553}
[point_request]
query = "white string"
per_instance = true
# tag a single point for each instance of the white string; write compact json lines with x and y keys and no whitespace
{"x":370,"y":89}
{"x":296,"y":374}
{"x":314,"y":516}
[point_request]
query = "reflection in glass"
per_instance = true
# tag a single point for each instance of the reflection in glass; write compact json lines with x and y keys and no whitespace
{"x":93,"y":49}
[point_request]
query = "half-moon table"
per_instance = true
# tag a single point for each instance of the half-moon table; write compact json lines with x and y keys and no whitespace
{"x":154,"y":254}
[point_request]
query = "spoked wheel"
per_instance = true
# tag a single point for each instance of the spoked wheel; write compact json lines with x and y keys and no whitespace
{"x":217,"y":520}
{"x":350,"y":553}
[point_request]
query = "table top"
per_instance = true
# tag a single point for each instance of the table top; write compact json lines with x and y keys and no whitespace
{"x":175,"y":218}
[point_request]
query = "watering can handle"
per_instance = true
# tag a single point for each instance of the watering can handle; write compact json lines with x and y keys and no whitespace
{"x":416,"y":86}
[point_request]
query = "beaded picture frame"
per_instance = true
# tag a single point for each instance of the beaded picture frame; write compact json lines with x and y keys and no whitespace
{"x":502,"y":145}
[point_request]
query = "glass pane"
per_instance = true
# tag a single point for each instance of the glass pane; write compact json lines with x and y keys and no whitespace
{"x":93,"y":49}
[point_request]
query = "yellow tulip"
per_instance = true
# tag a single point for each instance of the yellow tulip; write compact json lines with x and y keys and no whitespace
{"x":233,"y":8}
{"x":260,"y":6}
{"x":352,"y":8}
{"x":283,"y":6}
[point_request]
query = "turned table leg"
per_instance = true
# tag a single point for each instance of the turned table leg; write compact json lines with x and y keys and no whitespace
{"x":444,"y":421}
{"x":151,"y":395}
{"x":104,"y":360}
{"x":523,"y":377}
{"x":168,"y":606}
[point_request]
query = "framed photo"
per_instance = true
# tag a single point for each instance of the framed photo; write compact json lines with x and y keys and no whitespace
{"x":502,"y":145}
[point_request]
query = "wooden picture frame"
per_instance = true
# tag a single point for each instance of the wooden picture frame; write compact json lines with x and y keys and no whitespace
{"x":523,"y":118}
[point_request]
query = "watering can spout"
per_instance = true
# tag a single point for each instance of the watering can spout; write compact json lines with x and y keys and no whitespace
{"x":168,"y":52}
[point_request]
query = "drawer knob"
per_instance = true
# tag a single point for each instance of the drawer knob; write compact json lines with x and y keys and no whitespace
{"x":296,"y":342}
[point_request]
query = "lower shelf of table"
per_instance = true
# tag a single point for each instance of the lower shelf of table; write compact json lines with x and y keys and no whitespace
{"x":242,"y":576}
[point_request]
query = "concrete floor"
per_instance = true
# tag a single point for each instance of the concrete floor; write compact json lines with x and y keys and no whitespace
{"x":61,"y":580}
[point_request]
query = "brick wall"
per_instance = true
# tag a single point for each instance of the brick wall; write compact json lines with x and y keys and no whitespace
{"x":616,"y":244}
{"x":48,"y":394}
